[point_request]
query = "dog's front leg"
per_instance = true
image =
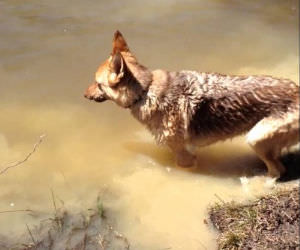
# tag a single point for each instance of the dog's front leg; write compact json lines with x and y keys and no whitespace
{"x":183,"y":157}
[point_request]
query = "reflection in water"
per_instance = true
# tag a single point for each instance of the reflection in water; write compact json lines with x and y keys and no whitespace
{"x":49,"y":52}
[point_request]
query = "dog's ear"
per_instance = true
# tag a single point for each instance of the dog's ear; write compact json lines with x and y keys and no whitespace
{"x":116,"y":68}
{"x":119,"y":43}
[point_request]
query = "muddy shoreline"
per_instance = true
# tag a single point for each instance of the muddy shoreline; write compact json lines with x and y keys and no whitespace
{"x":270,"y":222}
{"x":88,"y":230}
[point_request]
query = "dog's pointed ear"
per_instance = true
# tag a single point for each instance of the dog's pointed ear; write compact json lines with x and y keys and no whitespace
{"x":116,"y":68}
{"x":119,"y":43}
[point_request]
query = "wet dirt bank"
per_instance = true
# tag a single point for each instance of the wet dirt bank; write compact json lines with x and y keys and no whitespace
{"x":271,"y":222}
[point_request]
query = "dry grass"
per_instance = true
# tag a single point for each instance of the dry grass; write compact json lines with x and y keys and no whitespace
{"x":271,"y":222}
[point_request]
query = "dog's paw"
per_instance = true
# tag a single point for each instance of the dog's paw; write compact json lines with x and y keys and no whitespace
{"x":185,"y":159}
{"x":270,"y":182}
{"x":245,"y":184}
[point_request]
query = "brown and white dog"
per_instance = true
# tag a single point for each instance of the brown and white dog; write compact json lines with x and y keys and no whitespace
{"x":197,"y":108}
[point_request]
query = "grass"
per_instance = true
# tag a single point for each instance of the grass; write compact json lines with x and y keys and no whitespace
{"x":271,"y":222}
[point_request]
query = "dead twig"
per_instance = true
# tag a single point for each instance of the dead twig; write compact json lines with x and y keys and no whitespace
{"x":53,"y":201}
{"x":203,"y":246}
{"x":122,"y":237}
{"x":26,"y":158}
{"x":15,"y":211}
{"x":220,"y":199}
{"x":101,"y":241}
{"x":31,"y":236}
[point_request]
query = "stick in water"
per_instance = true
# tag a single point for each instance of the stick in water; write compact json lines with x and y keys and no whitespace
{"x":26,"y":158}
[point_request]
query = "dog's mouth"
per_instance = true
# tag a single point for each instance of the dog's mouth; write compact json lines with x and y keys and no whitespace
{"x":99,"y":99}
{"x":96,"y":99}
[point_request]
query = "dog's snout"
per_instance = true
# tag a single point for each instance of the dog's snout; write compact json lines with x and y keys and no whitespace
{"x":87,"y":95}
{"x":90,"y":91}
{"x":93,"y":92}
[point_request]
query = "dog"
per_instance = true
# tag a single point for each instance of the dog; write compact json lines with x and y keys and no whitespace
{"x":188,"y":108}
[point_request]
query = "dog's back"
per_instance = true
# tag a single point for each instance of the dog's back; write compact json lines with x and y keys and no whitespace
{"x":207,"y":107}
{"x":229,"y":105}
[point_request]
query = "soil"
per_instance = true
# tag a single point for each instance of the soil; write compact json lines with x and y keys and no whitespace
{"x":271,"y":222}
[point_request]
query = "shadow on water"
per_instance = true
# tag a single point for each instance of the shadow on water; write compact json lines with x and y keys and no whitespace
{"x":209,"y":163}
{"x":250,"y":165}
{"x":292,"y":163}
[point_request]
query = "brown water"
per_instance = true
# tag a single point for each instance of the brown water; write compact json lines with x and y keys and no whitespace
{"x":49,"y":51}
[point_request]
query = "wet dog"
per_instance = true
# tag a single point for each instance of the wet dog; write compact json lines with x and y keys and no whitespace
{"x":197,"y":108}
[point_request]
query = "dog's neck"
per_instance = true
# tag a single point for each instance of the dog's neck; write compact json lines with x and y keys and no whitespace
{"x":149,"y":109}
{"x":148,"y":103}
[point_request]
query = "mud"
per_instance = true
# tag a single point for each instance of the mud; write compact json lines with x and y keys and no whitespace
{"x":87,"y":230}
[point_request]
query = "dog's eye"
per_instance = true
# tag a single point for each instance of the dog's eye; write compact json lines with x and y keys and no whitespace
{"x":114,"y":86}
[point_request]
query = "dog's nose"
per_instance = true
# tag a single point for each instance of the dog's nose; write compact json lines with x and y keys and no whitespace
{"x":90,"y":91}
{"x":88,"y":96}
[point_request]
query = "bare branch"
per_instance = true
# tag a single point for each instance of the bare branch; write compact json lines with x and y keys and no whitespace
{"x":53,"y":201}
{"x":15,"y":211}
{"x":26,"y":158}
{"x":219,"y":198}
{"x":30,"y":233}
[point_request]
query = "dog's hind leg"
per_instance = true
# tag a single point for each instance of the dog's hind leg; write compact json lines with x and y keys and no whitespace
{"x":270,"y":135}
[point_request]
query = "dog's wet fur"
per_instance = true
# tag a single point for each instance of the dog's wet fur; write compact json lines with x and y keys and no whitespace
{"x":187,"y":108}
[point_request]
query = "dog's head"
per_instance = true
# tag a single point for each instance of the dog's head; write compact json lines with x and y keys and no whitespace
{"x":114,"y":80}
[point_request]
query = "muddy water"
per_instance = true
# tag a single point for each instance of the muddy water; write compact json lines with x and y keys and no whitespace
{"x":49,"y":51}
